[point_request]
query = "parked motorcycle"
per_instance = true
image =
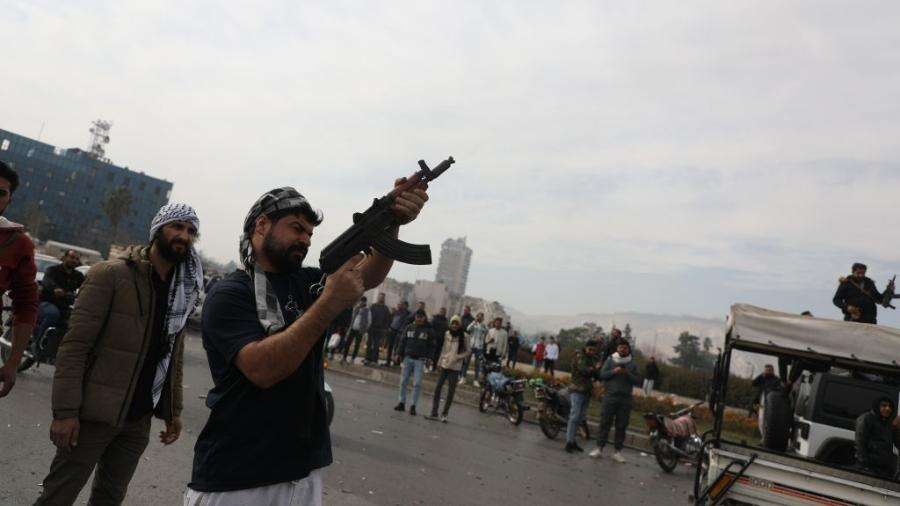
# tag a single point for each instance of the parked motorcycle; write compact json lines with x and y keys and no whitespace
{"x":553,"y":411}
{"x":40,"y":350}
{"x":503,"y":394}
{"x":674,"y":437}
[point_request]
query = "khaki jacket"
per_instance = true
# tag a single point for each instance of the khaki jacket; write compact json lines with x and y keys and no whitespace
{"x":450,"y":359}
{"x":101,"y":355}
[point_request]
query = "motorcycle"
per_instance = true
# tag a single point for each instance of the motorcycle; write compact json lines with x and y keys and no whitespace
{"x":674,"y":437}
{"x":40,"y":349}
{"x":503,"y":394}
{"x":553,"y":411}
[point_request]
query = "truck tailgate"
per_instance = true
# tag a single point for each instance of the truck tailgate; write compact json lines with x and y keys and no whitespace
{"x":780,"y":479}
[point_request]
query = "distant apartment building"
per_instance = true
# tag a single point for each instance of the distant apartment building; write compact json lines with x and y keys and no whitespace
{"x":394,"y":291}
{"x":453,"y":267}
{"x":491,"y":309}
{"x":62,"y":195}
{"x":432,"y":293}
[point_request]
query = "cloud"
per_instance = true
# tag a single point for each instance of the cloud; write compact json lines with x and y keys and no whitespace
{"x":742,"y":146}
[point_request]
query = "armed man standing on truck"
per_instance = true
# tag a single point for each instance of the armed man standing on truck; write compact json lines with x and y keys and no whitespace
{"x":857,"y":296}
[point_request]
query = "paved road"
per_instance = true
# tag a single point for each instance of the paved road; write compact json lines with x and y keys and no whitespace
{"x":381,"y":457}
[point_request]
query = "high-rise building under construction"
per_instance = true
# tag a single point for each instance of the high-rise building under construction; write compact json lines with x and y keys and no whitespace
{"x":453,"y":267}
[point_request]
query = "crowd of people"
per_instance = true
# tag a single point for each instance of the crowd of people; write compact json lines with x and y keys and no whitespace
{"x":120,"y":362}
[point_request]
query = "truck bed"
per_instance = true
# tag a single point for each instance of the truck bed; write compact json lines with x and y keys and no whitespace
{"x":782,"y":479}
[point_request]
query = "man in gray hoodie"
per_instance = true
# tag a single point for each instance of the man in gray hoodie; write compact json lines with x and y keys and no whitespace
{"x":620,"y":375}
{"x":359,"y":325}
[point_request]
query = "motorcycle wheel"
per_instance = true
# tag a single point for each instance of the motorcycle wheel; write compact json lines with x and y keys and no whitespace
{"x":667,"y":460}
{"x":484,"y":401}
{"x":514,"y":413}
{"x":548,"y":426}
{"x":6,"y":351}
{"x":584,"y":431}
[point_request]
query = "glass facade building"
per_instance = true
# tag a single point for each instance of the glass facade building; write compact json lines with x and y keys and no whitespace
{"x":62,"y":195}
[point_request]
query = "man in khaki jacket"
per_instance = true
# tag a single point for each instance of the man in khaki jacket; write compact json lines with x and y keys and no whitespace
{"x":120,"y":363}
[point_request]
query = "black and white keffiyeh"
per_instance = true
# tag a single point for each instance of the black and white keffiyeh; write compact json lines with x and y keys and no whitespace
{"x":268,"y":308}
{"x":184,"y":290}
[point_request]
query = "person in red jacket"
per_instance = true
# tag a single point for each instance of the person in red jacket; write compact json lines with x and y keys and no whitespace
{"x":539,"y":350}
{"x":17,"y":274}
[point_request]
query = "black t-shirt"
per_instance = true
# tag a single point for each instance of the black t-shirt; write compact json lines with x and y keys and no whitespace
{"x":257,"y":437}
{"x":142,"y":400}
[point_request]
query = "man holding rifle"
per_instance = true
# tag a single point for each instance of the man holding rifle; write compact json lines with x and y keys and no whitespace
{"x":267,"y":437}
{"x":857,"y":297}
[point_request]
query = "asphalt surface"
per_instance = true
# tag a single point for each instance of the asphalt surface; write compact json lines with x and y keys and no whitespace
{"x":381,"y":457}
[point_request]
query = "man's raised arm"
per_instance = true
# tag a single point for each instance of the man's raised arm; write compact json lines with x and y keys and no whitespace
{"x":271,"y":360}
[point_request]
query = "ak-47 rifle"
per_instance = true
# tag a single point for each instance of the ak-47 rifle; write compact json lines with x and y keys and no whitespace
{"x":372,"y":228}
{"x":888,"y":294}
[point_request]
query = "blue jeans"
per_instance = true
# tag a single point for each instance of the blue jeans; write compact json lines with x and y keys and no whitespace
{"x":409,"y":366}
{"x":577,"y":411}
{"x":476,"y":354}
{"x":49,"y":316}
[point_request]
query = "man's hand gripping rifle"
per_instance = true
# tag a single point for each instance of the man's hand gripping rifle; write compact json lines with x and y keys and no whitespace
{"x":374,"y":228}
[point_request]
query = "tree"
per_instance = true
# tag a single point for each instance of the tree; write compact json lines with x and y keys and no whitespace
{"x":707,"y":344}
{"x":689,"y":354}
{"x":117,"y":206}
{"x":574,"y":337}
{"x":626,"y":333}
{"x":34,"y":219}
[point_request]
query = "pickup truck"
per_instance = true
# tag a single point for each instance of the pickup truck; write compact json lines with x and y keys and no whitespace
{"x":832,"y":371}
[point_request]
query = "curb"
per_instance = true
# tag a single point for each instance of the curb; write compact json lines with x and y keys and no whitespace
{"x":633,"y":440}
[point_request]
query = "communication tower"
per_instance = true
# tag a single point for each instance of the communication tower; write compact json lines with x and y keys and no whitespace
{"x":99,"y":138}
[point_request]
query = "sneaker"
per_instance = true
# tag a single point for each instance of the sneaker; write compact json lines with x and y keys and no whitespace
{"x":462,"y":381}
{"x":617,"y":456}
{"x":477,"y":385}
{"x":577,"y":448}
{"x":412,"y":410}
{"x":443,"y":418}
{"x":431,"y":417}
{"x":570,"y":448}
{"x":400,"y":407}
{"x":596,"y":453}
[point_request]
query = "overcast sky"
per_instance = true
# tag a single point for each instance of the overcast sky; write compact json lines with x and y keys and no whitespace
{"x":671,"y":157}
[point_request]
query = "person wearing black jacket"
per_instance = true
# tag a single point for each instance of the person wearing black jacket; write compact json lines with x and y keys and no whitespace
{"x":58,"y":289}
{"x":466,"y":317}
{"x":615,"y":339}
{"x":512,"y":347}
{"x":379,"y":326}
{"x":439,"y":327}
{"x":875,"y":438}
{"x":857,"y":296}
{"x":766,"y":382}
{"x":416,"y":344}
{"x":651,"y":375}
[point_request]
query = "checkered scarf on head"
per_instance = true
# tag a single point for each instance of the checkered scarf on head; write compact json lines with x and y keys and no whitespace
{"x":268,"y":309}
{"x":184,"y":289}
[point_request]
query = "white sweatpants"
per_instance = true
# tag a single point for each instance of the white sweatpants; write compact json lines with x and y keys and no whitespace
{"x":305,"y":492}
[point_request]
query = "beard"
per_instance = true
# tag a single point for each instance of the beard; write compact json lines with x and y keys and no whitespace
{"x":284,"y":258}
{"x":167,"y":250}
